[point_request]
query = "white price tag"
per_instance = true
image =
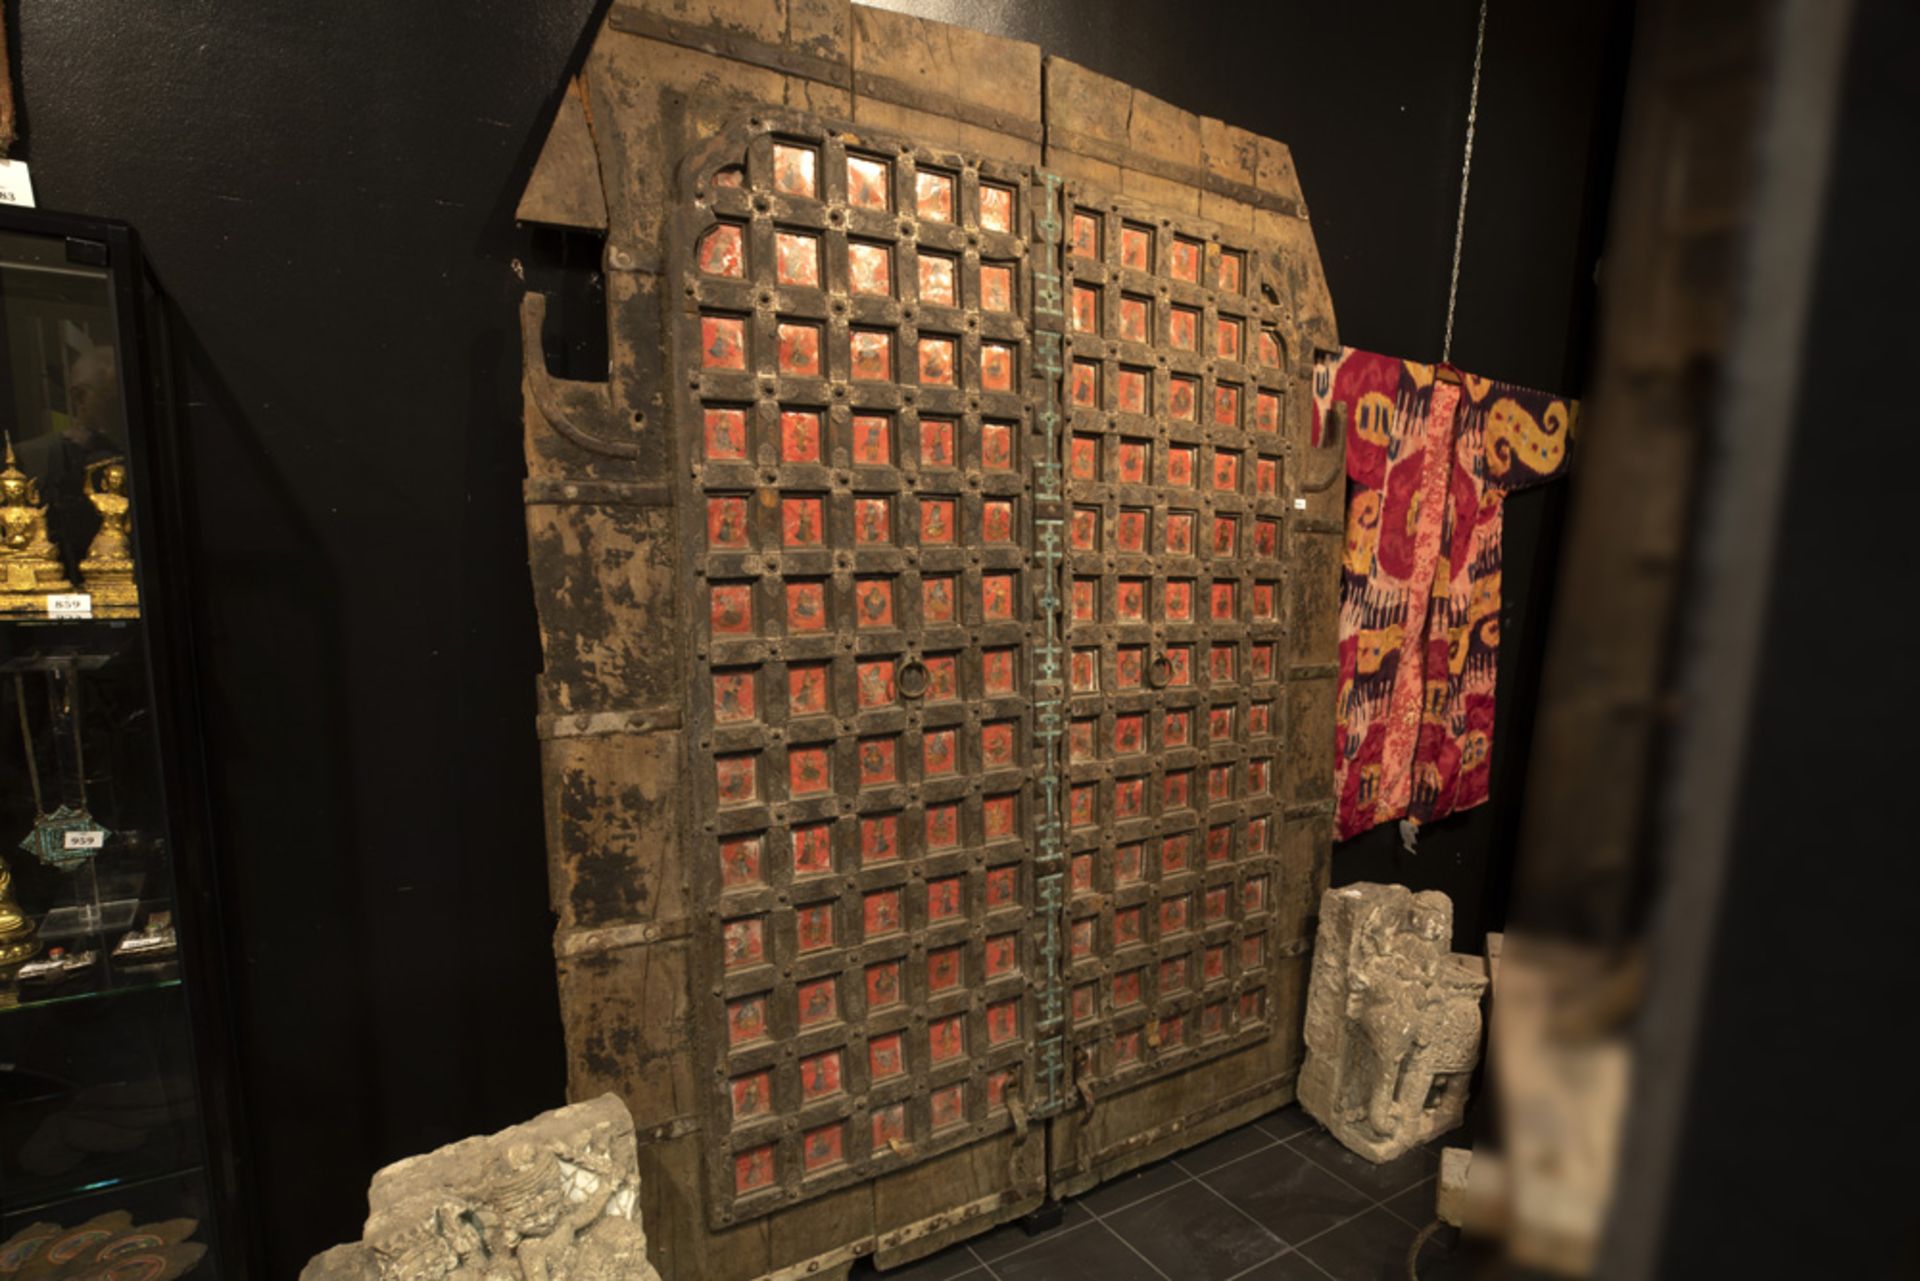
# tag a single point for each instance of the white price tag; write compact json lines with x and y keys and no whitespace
{"x":70,"y":605}
{"x":1300,"y":504}
{"x":85,"y":840}
{"x":16,"y":184}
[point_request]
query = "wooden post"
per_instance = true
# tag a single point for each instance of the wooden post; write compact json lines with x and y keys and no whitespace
{"x":6,"y":87}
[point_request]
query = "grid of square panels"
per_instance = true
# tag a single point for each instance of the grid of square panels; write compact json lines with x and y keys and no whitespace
{"x":857,"y":434}
{"x":1174,"y":376}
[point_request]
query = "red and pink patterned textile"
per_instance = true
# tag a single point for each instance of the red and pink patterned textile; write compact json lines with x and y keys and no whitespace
{"x":1431,"y":454}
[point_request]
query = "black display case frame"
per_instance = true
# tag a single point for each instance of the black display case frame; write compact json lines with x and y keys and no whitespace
{"x":156,"y":470}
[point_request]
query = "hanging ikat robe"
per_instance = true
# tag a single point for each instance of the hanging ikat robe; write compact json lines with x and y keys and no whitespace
{"x":1429,"y":464}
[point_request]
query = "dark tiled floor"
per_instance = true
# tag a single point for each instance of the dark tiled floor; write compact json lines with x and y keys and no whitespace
{"x":1277,"y":1200}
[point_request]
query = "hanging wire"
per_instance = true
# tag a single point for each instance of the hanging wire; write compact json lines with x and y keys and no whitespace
{"x":1466,"y":176}
{"x":26,"y":743}
{"x":71,"y":706}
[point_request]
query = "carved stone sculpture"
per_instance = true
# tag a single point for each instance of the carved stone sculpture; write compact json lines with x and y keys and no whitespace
{"x":555,"y":1199}
{"x":1393,"y":1019}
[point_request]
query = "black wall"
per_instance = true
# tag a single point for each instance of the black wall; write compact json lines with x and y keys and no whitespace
{"x":326,"y":191}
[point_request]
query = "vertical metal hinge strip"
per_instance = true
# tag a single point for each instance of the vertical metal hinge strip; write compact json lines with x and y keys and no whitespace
{"x":1049,"y":657}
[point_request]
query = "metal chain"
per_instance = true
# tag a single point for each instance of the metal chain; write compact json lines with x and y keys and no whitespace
{"x":1466,"y":175}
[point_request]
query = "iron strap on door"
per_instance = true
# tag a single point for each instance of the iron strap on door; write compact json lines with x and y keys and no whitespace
{"x":1054,"y":1086}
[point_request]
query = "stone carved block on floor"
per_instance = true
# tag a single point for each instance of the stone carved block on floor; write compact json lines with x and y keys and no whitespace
{"x":555,"y":1199}
{"x":1393,"y":1019}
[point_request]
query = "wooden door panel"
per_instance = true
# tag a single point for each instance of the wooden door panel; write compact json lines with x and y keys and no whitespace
{"x":857,"y":506}
{"x":1175,"y":375}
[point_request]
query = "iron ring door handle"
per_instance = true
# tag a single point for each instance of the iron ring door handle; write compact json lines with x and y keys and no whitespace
{"x":912,"y":680}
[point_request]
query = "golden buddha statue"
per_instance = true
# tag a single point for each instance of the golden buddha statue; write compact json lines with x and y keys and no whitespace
{"x":107,"y":572}
{"x":19,"y":937}
{"x":29,"y":567}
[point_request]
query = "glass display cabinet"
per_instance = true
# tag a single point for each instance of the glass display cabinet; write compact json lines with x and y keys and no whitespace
{"x":116,"y":1148}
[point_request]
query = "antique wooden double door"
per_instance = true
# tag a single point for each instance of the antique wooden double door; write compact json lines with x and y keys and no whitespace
{"x":935,"y":672}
